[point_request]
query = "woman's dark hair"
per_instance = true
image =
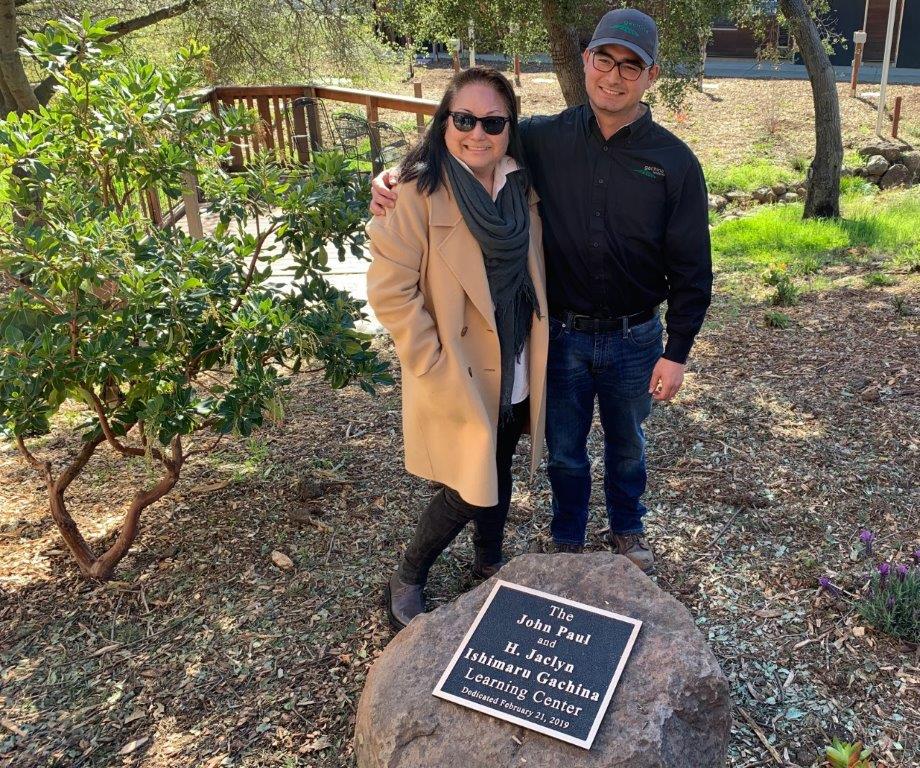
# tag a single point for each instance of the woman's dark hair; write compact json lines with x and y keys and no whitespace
{"x":425,"y":162}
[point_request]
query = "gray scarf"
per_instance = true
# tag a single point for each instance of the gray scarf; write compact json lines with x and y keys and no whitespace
{"x":502,"y":229}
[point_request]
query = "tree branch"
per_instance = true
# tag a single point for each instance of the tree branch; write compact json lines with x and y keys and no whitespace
{"x":112,"y":438}
{"x":17,"y":82}
{"x":42,"y":466}
{"x":45,"y":89}
{"x":17,"y":283}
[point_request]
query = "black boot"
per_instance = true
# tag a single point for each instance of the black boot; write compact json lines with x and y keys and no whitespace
{"x":484,"y":570}
{"x":404,"y":601}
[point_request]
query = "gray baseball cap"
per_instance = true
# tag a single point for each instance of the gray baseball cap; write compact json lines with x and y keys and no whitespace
{"x":630,"y":28}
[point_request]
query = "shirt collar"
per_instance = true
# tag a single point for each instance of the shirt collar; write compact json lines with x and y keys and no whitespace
{"x":630,"y":130}
{"x":505,"y":166}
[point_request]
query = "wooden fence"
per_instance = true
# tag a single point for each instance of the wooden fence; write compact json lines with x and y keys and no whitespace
{"x":290,"y":129}
{"x":290,"y":126}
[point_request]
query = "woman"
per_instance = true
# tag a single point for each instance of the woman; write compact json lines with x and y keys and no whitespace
{"x":457,"y":279}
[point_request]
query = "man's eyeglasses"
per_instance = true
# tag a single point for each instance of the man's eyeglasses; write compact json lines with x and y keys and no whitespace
{"x":465,"y":122}
{"x":629,"y":70}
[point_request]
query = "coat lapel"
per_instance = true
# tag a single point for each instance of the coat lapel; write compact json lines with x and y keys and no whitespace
{"x":460,"y":251}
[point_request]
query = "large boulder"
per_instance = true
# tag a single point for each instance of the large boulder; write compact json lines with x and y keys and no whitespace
{"x":877,"y":165}
{"x":912,"y":161}
{"x":670,"y":708}
{"x":886,"y":149}
{"x":897,"y":175}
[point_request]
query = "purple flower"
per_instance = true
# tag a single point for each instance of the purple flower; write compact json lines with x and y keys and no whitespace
{"x":883,"y":570}
{"x":828,"y":586}
{"x":916,"y":557}
{"x":901,"y":570}
{"x":867,"y":537}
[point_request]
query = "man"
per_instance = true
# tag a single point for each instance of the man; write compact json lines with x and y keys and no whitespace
{"x":625,"y":227}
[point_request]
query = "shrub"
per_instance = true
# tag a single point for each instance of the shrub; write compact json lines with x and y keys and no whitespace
{"x":774,"y":319}
{"x":893,"y":603}
{"x":158,"y":336}
{"x":891,"y":600}
{"x":844,"y":755}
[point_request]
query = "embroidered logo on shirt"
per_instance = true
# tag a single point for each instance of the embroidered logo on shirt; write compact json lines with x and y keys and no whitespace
{"x":650,"y":171}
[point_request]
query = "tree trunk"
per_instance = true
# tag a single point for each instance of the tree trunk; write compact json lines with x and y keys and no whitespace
{"x":823,"y":198}
{"x":102,"y":567}
{"x":17,"y":83}
{"x":565,"y":51}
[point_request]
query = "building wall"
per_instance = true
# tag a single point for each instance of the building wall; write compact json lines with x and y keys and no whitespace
{"x":846,"y":17}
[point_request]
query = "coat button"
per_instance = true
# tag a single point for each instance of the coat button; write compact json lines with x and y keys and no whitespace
{"x":470,"y":371}
{"x":463,"y":332}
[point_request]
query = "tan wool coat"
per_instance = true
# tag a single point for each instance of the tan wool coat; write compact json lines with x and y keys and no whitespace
{"x":428,"y":287}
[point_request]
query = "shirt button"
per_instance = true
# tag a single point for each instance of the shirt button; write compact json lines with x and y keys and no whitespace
{"x":606,"y":148}
{"x":597,"y":213}
{"x":600,"y":181}
{"x":594,"y":244}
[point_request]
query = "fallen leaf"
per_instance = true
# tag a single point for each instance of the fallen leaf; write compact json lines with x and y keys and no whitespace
{"x":11,"y":726}
{"x":107,"y":649}
{"x":128,"y":748}
{"x":282,"y":560}
{"x":317,"y":745}
{"x":859,"y":631}
{"x":212,"y":486}
{"x":769,"y":613}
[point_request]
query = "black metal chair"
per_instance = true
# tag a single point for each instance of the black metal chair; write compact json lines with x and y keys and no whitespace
{"x":378,"y":143}
{"x":323,"y":137}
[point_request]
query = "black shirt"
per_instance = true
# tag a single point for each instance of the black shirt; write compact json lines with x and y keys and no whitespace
{"x":625,"y":221}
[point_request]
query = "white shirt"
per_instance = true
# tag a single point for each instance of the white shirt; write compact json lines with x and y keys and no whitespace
{"x":521,"y":387}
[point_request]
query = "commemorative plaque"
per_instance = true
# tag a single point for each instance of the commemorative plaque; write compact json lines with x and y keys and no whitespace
{"x":540,"y":661}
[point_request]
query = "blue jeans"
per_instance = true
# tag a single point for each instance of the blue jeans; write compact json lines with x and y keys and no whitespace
{"x":614,"y":368}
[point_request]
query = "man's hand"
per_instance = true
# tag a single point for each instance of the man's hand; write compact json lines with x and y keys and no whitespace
{"x":383,"y":195}
{"x":666,"y":379}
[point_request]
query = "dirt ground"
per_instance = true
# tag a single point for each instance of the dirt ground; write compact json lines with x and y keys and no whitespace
{"x":732,"y":120}
{"x":204,"y":653}
{"x":781,"y":447}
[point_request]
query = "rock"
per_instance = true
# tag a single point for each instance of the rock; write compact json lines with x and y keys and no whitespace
{"x":717,"y":202}
{"x":847,"y":171}
{"x":881,"y":148}
{"x":282,"y":560}
{"x":912,"y":160}
{"x":760,"y":194}
{"x":896,"y":176}
{"x":779,"y":190}
{"x":802,"y":192}
{"x":670,"y":708}
{"x":877,"y":165}
{"x":859,"y":171}
{"x":870,"y":394}
{"x":770,"y":197}
{"x":737,"y":197}
{"x":790,"y":197}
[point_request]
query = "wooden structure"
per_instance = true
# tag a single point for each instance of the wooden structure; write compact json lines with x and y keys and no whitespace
{"x":289,"y":128}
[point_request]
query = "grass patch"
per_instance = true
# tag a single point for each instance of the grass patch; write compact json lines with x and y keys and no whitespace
{"x":884,"y":224}
{"x":776,"y":319}
{"x":748,"y":176}
{"x":880,"y":280}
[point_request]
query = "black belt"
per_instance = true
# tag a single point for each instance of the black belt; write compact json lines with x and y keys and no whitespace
{"x":588,"y":324}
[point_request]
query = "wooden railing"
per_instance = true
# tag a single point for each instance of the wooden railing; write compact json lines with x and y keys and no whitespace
{"x":289,"y":129}
{"x":292,"y":130}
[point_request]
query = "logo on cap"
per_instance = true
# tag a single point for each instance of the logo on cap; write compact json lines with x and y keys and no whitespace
{"x":628,"y":28}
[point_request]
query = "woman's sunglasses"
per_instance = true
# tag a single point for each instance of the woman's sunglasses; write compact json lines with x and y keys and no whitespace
{"x":465,"y":122}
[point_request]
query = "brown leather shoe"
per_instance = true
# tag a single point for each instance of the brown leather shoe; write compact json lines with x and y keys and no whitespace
{"x":483,"y":571}
{"x":635,"y":547}
{"x":573,"y":549}
{"x":404,"y":601}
